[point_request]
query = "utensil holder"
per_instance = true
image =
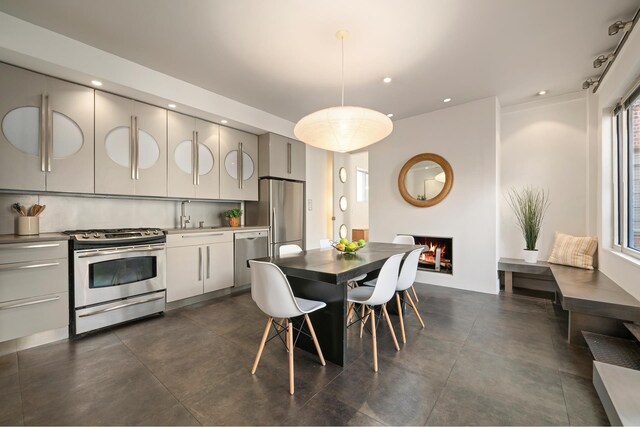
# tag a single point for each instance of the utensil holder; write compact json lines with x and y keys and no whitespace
{"x":28,"y":225}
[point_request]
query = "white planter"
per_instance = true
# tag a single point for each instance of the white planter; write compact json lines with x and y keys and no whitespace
{"x":531,"y":256}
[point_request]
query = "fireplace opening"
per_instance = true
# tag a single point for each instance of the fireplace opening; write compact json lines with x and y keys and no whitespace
{"x":438,"y":254}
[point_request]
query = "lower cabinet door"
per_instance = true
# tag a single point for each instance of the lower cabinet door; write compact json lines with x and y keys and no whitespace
{"x":27,"y":316}
{"x":219,"y":266}
{"x":185,"y":272}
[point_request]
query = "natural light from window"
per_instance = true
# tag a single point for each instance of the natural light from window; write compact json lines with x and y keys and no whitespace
{"x":362,"y":185}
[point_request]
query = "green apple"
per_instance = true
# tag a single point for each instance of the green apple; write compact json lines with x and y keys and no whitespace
{"x":361,"y":242}
{"x":352,"y":246}
{"x":344,"y":241}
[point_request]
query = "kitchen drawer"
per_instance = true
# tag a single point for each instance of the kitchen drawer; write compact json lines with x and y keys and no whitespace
{"x":32,"y":251}
{"x":24,"y":317}
{"x":196,"y":239}
{"x":32,"y":278}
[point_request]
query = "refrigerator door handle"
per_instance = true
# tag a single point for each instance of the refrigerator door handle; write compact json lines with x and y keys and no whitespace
{"x":274,"y":224}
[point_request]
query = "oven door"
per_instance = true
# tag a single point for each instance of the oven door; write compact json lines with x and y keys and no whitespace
{"x":105,"y":275}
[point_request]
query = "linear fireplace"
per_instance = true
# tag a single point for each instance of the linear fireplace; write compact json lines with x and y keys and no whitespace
{"x":438,"y":254}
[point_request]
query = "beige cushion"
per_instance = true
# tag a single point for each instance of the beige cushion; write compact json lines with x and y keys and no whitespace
{"x":574,"y":251}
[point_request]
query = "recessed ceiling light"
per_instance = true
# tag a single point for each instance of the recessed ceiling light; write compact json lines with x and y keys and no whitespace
{"x":223,"y":121}
{"x":542,"y":92}
{"x":387,"y":80}
{"x":390,"y":115}
{"x":171,"y":105}
{"x":96,"y":83}
{"x":446,"y":100}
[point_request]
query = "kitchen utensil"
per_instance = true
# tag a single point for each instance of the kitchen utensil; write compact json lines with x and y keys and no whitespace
{"x":17,"y":208}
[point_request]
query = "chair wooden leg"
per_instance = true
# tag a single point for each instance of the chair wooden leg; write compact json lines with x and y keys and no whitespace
{"x":415,"y":294}
{"x":404,"y":337}
{"x":363,"y":319}
{"x":290,"y":345}
{"x":373,"y":340}
{"x":349,"y":313}
{"x":415,"y":310}
{"x":264,"y":339}
{"x":315,"y":339}
{"x":393,"y":334}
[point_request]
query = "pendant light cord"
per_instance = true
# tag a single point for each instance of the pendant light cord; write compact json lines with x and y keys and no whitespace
{"x":342,"y":43}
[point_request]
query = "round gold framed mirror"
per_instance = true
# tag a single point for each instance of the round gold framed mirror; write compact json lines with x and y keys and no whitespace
{"x":425,"y":180}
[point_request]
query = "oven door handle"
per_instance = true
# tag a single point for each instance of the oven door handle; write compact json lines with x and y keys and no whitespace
{"x":119,"y":251}
{"x":117,"y":307}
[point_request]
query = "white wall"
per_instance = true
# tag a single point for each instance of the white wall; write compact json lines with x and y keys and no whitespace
{"x":357,"y":212}
{"x":467,"y":137}
{"x":319,"y":192}
{"x":544,"y":144}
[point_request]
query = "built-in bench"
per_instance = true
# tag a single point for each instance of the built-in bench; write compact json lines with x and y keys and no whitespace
{"x":619,"y":392}
{"x":595,"y":302}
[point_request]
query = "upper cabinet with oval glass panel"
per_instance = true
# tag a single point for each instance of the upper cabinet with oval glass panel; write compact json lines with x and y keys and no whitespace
{"x":425,"y":180}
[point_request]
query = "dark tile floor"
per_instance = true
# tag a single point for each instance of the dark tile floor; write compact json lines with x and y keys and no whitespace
{"x":482,"y":359}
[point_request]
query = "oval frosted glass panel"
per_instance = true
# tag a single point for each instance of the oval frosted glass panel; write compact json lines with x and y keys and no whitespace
{"x":67,"y":136}
{"x":148,"y":150}
{"x":205,"y":160}
{"x":343,"y":231}
{"x":343,"y":175}
{"x":343,"y":203}
{"x":182,"y":156}
{"x":116,"y":145}
{"x":230,"y":164}
{"x":20,"y":127}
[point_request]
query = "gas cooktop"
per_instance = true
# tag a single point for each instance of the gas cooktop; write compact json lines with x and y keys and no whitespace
{"x":115,"y":234}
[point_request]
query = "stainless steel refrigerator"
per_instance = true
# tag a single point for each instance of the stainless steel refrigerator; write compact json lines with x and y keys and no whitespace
{"x":281,"y":207}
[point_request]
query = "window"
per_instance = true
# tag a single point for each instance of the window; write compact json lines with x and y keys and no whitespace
{"x":362,"y":185}
{"x":626,"y":136}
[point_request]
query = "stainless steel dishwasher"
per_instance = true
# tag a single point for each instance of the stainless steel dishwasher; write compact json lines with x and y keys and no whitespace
{"x":248,"y":245}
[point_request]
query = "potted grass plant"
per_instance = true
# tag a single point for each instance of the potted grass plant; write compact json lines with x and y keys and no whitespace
{"x":530,"y":206}
{"x":233,"y":217}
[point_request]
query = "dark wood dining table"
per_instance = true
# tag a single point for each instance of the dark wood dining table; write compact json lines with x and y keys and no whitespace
{"x":323,"y":274}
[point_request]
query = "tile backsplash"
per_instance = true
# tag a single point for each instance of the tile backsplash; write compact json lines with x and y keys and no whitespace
{"x":79,"y":212}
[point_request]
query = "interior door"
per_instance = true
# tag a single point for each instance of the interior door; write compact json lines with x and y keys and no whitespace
{"x":21,"y":165}
{"x":71,"y":110}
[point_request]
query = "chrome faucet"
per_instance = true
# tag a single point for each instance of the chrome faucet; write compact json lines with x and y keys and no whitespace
{"x":184,"y":219}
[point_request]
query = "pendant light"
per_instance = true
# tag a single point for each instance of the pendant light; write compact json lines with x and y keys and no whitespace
{"x":344,"y":128}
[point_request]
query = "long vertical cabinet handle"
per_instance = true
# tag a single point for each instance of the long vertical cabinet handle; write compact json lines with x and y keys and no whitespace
{"x":240,"y":165}
{"x":288,"y":157}
{"x":200,"y":263}
{"x":43,"y":133}
{"x":208,"y":262}
{"x":275,"y":226}
{"x":137,"y":147}
{"x":193,"y":157}
{"x":197,"y":171}
{"x":132,"y":154}
{"x":49,"y":134}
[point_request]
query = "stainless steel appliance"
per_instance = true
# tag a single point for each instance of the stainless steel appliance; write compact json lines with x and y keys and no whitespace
{"x":248,"y":245}
{"x":117,"y":275}
{"x":281,"y":207}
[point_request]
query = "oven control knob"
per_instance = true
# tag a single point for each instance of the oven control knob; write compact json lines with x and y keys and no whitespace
{"x":147,"y":232}
{"x":85,"y":236}
{"x":96,"y":235}
{"x":156,"y":232}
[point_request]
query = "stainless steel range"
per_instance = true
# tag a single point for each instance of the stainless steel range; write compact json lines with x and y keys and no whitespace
{"x":117,"y":275}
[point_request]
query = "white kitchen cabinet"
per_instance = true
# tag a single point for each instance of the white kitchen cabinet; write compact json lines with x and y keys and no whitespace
{"x":34,"y":288}
{"x":198,"y":262}
{"x":47,"y":136}
{"x":239,"y":168}
{"x":281,"y":157}
{"x":194,"y":165}
{"x":131,"y":147}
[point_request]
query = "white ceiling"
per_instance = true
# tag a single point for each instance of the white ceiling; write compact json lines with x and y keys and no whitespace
{"x":282,"y":56}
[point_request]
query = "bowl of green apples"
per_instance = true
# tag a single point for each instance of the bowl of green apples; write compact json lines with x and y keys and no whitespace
{"x":345,"y":247}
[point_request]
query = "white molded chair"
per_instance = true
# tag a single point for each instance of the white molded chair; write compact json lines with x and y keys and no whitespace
{"x":370,"y":297}
{"x":403,"y":239}
{"x":405,"y":282}
{"x":325,"y":243}
{"x":289,"y":249}
{"x":272,"y":293}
